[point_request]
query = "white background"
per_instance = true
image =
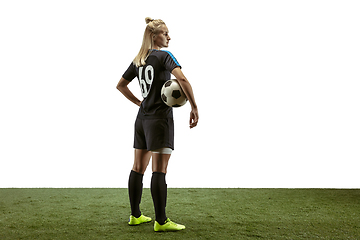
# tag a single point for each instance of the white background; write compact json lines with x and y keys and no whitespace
{"x":276,"y":82}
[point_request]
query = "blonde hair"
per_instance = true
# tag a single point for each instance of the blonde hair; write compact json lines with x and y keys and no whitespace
{"x":151,"y":31}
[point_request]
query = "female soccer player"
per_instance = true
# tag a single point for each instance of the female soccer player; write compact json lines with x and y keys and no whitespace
{"x":154,"y":126}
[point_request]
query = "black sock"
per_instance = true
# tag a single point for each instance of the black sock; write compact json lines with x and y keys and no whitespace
{"x":159,"y":195}
{"x":135,"y":192}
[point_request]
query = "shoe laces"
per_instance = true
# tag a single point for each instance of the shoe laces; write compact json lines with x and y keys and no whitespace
{"x":171,"y":222}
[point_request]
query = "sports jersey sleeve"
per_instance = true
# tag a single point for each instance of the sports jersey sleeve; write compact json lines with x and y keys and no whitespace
{"x":170,"y":62}
{"x":130,"y":73}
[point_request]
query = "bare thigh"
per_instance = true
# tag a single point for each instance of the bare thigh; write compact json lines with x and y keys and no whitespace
{"x":160,"y":162}
{"x":141,"y":160}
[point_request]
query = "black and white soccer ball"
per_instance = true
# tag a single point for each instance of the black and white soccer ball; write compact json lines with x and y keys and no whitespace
{"x":172,"y":94}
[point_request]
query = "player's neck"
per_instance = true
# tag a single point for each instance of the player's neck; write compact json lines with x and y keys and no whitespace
{"x":155,"y":47}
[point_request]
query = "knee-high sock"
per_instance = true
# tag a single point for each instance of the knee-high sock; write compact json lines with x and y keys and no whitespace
{"x":159,"y":195}
{"x":135,"y":192}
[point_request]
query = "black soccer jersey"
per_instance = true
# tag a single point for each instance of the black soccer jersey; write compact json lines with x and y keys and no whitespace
{"x":152,"y":77}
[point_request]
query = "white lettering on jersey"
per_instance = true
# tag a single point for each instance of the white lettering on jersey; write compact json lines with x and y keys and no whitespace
{"x":145,"y":85}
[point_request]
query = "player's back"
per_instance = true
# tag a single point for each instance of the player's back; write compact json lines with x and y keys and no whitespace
{"x":152,"y":77}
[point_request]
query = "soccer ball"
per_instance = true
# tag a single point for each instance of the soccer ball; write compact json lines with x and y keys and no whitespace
{"x":172,"y":94}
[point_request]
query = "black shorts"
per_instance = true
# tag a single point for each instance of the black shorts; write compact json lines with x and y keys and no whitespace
{"x":152,"y":134}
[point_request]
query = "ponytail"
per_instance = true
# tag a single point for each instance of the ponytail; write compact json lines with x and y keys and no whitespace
{"x":151,"y":31}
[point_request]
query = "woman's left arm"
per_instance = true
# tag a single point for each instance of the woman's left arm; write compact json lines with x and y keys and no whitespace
{"x":123,"y":88}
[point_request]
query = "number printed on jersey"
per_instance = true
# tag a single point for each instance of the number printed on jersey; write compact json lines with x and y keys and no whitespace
{"x":146,"y":78}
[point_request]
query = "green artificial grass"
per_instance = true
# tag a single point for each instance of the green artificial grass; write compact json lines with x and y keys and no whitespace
{"x":207,"y":214}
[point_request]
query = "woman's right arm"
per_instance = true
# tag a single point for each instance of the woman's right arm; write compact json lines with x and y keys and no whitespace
{"x":186,"y":87}
{"x":123,"y":88}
